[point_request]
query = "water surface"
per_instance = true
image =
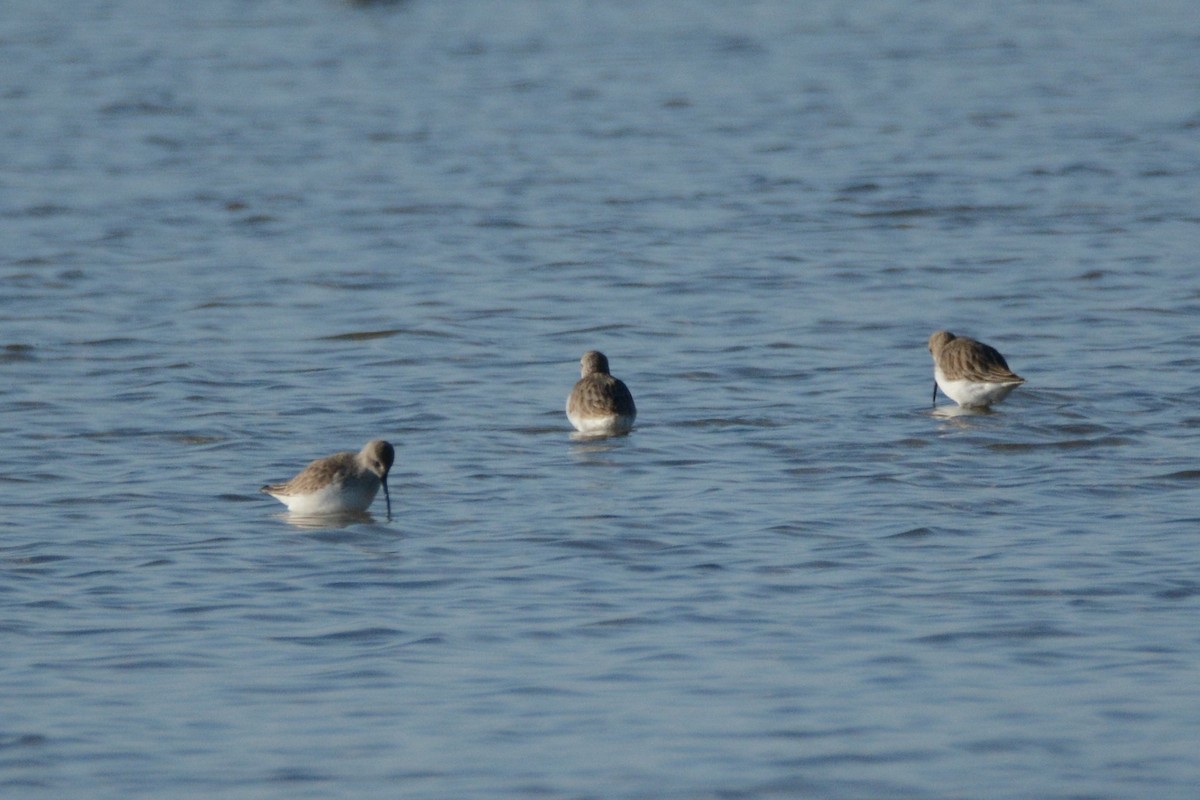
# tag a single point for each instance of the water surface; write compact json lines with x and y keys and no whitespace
{"x":241,"y":236}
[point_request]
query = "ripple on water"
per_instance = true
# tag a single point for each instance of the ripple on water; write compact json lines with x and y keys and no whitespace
{"x":793,"y":578}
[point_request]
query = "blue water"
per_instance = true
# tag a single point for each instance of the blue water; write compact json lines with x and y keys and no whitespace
{"x":238,"y":236}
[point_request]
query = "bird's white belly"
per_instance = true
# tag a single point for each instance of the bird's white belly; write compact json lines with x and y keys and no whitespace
{"x":608,"y":424}
{"x":974,"y":394}
{"x":336,"y":498}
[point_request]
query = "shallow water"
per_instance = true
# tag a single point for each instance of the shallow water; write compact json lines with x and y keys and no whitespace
{"x":241,"y":236}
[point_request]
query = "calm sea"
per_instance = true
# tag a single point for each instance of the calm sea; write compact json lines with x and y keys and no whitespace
{"x":237,"y":236}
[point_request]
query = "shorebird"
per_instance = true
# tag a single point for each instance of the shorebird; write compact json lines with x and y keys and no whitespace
{"x":970,"y":373}
{"x":340,"y":483}
{"x":600,"y":404}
